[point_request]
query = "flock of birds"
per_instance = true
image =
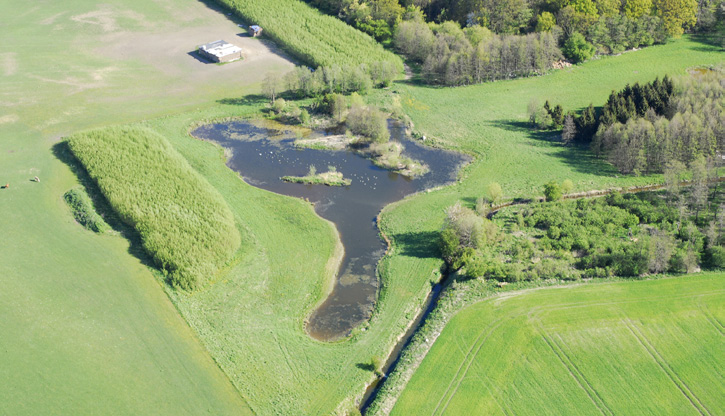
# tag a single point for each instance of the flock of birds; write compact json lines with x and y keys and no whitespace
{"x":281,"y":158}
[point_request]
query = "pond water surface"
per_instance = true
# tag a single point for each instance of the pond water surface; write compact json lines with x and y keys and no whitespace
{"x":262,"y":155}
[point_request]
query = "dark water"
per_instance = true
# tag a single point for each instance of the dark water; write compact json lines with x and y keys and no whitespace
{"x":263,"y":154}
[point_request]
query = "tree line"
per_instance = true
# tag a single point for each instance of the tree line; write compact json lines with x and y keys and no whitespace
{"x":453,"y":56}
{"x":644,"y":126}
{"x":303,"y":82}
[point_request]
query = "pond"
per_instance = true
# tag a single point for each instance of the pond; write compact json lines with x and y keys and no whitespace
{"x":262,"y":154}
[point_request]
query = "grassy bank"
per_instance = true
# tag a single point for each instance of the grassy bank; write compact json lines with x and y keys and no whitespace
{"x":184,"y":223}
{"x":578,"y":342}
{"x":311,"y":36}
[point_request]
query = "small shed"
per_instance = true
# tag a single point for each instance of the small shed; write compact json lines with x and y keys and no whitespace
{"x":255,"y":31}
{"x":220,"y":51}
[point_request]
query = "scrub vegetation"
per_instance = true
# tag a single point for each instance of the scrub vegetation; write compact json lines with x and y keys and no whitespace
{"x":311,"y":36}
{"x":183,"y":222}
{"x":586,"y":349}
{"x":619,"y":235}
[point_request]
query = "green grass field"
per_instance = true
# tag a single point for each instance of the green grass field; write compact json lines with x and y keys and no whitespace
{"x":86,"y":328}
{"x":646,"y":347}
{"x":86,"y":325}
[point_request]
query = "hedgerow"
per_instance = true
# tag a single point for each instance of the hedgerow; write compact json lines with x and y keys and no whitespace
{"x":311,"y":36}
{"x":184,"y":223}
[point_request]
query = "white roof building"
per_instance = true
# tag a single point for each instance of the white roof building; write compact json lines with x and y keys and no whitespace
{"x":221,"y":51}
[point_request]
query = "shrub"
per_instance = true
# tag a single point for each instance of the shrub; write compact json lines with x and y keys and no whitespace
{"x":82,"y":208}
{"x":184,"y":223}
{"x":552,"y":191}
{"x":716,"y":257}
{"x":368,"y":122}
{"x":567,"y":186}
{"x":304,"y":117}
{"x":577,"y":49}
{"x":494,"y":192}
{"x":279,"y":105}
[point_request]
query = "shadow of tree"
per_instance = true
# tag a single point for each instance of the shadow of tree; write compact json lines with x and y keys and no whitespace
{"x":422,"y":244}
{"x":62,"y":152}
{"x":577,"y":155}
{"x":365,"y":366}
{"x":711,"y":42}
{"x":251,"y":99}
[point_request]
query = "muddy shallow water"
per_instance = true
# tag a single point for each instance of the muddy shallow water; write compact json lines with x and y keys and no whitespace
{"x":264,"y":154}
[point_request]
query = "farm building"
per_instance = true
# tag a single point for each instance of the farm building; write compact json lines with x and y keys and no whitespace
{"x":255,"y":31}
{"x":220,"y":51}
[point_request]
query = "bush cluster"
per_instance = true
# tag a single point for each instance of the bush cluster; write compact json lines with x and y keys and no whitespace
{"x":82,"y":208}
{"x":454,"y":56}
{"x":619,"y":235}
{"x":184,"y":223}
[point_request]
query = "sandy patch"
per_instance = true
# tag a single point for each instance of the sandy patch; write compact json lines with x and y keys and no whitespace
{"x":106,"y":18}
{"x":9,"y":118}
{"x":173,"y":52}
{"x":96,"y":79}
{"x":333,"y":142}
{"x":100,"y":18}
{"x":50,"y":20}
{"x":9,"y":63}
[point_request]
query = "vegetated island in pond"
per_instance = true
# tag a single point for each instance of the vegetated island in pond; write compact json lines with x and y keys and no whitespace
{"x":330,"y":178}
{"x":262,"y":154}
{"x":386,"y":155}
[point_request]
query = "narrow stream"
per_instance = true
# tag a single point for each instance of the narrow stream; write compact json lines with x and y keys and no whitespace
{"x":262,"y":154}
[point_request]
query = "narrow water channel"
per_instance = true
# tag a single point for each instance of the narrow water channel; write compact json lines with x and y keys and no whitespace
{"x":262,"y":154}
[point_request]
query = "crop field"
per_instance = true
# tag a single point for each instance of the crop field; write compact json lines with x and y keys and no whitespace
{"x":646,"y":347}
{"x":183,"y":222}
{"x":310,"y":35}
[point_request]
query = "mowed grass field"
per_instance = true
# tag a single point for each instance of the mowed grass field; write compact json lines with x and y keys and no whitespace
{"x":645,"y":347}
{"x":85,"y":328}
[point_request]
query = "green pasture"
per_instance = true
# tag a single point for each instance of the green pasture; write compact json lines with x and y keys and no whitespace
{"x":488,"y":121}
{"x":645,"y":347}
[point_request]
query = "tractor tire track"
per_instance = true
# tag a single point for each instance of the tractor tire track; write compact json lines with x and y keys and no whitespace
{"x":487,"y":332}
{"x":662,"y":363}
{"x":575,"y":373}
